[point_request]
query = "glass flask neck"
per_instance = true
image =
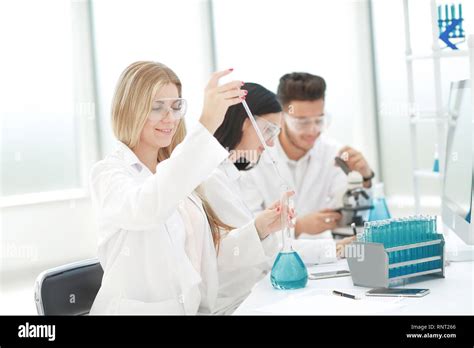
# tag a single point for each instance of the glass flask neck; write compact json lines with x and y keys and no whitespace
{"x":286,"y":204}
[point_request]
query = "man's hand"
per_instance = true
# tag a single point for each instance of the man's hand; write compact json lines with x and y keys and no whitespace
{"x":356,"y":162}
{"x":317,"y":222}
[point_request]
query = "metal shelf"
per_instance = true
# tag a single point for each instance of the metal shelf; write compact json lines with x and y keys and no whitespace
{"x":437,"y":115}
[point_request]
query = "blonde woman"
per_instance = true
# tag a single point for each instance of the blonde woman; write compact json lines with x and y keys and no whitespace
{"x":161,"y":246}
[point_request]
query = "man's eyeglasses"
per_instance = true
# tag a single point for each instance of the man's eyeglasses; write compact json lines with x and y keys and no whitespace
{"x":305,"y":123}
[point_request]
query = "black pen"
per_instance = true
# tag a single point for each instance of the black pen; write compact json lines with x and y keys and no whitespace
{"x":338,"y":293}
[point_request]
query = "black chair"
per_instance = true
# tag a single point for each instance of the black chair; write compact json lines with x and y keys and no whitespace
{"x":69,"y":289}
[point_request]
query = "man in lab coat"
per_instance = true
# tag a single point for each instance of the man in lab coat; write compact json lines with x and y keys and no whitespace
{"x":305,"y":158}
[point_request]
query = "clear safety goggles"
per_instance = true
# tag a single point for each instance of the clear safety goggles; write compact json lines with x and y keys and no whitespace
{"x":306,"y":123}
{"x":269,"y":130}
{"x":177,"y":107}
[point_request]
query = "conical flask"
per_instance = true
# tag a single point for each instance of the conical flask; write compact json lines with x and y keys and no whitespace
{"x":379,"y":210}
{"x":289,"y":271}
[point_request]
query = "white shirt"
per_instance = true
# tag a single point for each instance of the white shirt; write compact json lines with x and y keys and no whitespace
{"x":155,"y":245}
{"x":224,"y":192}
{"x":297,"y":168}
{"x":318,"y":183}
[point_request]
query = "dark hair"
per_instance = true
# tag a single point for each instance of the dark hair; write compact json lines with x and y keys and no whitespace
{"x":260,"y":100}
{"x":300,"y":86}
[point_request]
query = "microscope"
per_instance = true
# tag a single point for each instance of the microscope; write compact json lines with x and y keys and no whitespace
{"x":355,"y":203}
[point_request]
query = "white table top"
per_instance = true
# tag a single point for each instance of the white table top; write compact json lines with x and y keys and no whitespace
{"x":452,"y":295}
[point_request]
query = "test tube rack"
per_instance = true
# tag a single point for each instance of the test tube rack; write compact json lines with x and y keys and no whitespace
{"x":370,"y":267}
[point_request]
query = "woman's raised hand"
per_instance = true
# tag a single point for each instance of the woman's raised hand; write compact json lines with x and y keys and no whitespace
{"x":217,"y":99}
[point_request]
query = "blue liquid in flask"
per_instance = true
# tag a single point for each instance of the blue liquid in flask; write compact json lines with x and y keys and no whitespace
{"x":289,"y":271}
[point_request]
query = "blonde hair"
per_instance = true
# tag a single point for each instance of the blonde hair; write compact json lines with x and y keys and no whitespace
{"x":133,"y":101}
{"x":131,"y":105}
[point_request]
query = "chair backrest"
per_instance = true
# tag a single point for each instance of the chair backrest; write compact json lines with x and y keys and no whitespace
{"x":69,"y":289}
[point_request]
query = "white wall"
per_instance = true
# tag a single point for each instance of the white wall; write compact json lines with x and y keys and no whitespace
{"x":46,"y":219}
{"x":39,"y":235}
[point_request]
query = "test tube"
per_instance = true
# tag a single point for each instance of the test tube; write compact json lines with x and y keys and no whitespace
{"x":391,"y":243}
{"x":398,"y":254}
{"x":361,"y":236}
{"x":383,"y":232}
{"x":409,"y":234}
{"x":396,"y":240}
{"x":408,"y":240}
{"x":368,"y":233}
{"x":405,"y":223}
{"x":387,"y":237}
{"x":417,"y":252}
{"x":434,"y":234}
{"x":424,"y":232}
{"x":420,"y":239}
{"x":375,"y":232}
{"x":417,"y":238}
{"x":429,"y":235}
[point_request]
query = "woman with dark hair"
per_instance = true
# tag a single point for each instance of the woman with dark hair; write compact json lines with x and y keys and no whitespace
{"x":224,"y":191}
{"x":236,"y":133}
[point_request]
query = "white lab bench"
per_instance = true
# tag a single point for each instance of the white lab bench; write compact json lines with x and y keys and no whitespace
{"x":452,"y":295}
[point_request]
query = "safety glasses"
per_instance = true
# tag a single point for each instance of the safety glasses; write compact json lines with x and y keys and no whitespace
{"x":162,"y":107}
{"x":306,"y":123}
{"x":269,"y":130}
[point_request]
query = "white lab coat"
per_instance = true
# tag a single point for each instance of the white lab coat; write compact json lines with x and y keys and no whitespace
{"x":320,"y":183}
{"x":223,"y":190}
{"x":155,"y":244}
